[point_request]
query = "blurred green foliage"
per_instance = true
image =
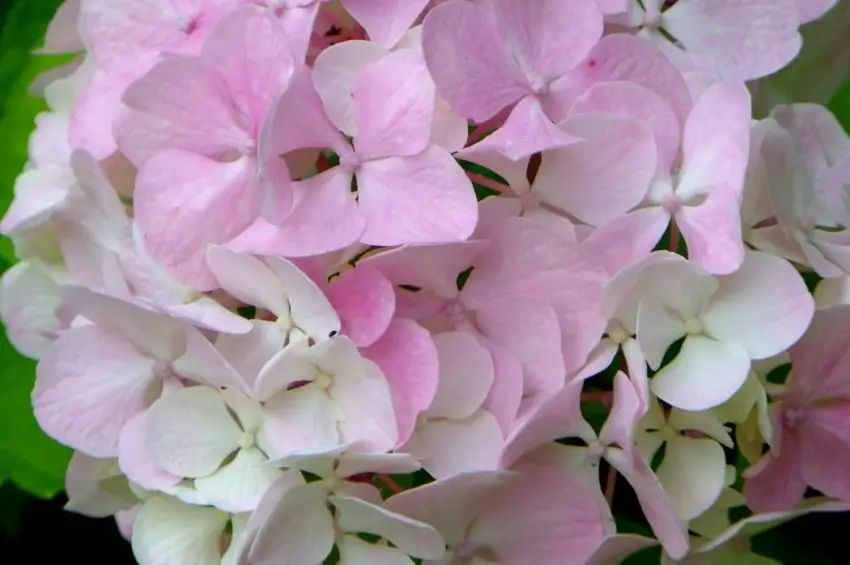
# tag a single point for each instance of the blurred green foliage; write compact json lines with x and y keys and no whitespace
{"x":28,"y":458}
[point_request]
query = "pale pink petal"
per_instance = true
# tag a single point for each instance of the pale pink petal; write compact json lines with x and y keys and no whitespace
{"x":250,"y":50}
{"x":825,"y":454}
{"x":603,"y":176}
{"x":299,"y":529}
{"x":779,"y":485}
{"x":636,"y":102}
{"x":190,"y":432}
{"x":408,"y":358}
{"x":178,"y":105}
{"x":136,"y":462}
{"x":466,"y":375}
{"x":430,"y":267}
{"x":506,"y":393}
{"x":618,"y":547}
{"x":410,"y":536}
{"x":185,"y":202}
{"x":619,"y":428}
{"x":335,"y":71}
{"x":530,"y":328}
{"x":158,"y":335}
{"x":654,"y":501}
{"x":205,"y":364}
{"x":88,"y":386}
{"x":527,"y":130}
{"x":745,"y":39}
{"x":460,"y":446}
{"x":386,"y":21}
{"x":705,"y":373}
{"x":540,"y":516}
{"x":169,"y":531}
{"x":621,"y":57}
{"x":393,"y":105}
{"x":468,"y":60}
{"x":819,"y":356}
{"x":716,"y":141}
{"x":547,"y":38}
{"x":298,"y":120}
{"x":63,"y":34}
{"x":449,"y":505}
{"x":627,"y":240}
{"x":763,"y":306}
{"x":811,"y":10}
{"x":556,"y":416}
{"x":98,"y":114}
{"x":324,"y":218}
{"x":425,"y":198}
{"x":365,"y":302}
{"x":712,"y":230}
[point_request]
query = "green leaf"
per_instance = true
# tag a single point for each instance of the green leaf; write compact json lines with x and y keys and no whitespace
{"x":22,"y":32}
{"x":28,"y":457}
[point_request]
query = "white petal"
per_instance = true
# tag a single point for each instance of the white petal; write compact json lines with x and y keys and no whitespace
{"x":248,"y":278}
{"x":466,"y":375}
{"x":301,"y":420}
{"x":28,"y":300}
{"x":411,"y":536}
{"x":96,"y":487}
{"x":239,"y":485}
{"x":693,"y":474}
{"x":354,"y":551}
{"x":309,"y":307}
{"x":705,"y":374}
{"x":167,"y":531}
{"x":190,"y":432}
{"x":704,"y":422}
{"x":298,"y":531}
{"x":657,"y":329}
{"x":764,"y":306}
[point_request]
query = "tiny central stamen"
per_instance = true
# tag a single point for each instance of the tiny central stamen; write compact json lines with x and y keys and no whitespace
{"x":617,"y":333}
{"x":323,"y":380}
{"x":693,"y":326}
{"x":246,"y":440}
{"x":652,"y":19}
{"x":595,"y":449}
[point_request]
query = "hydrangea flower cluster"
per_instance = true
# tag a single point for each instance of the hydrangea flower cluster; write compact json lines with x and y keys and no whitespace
{"x":375,"y":281}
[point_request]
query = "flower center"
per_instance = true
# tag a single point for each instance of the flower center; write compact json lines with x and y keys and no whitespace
{"x":794,"y":416}
{"x":652,"y":19}
{"x":672,"y":203}
{"x":350,"y":163}
{"x":246,"y":440}
{"x":323,"y":380}
{"x":693,"y":326}
{"x":595,"y":449}
{"x":667,"y":432}
{"x":617,"y":333}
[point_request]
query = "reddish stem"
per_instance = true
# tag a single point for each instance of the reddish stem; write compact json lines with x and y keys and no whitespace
{"x":486,"y":181}
{"x":674,"y":238}
{"x":391,"y":484}
{"x":610,"y":483}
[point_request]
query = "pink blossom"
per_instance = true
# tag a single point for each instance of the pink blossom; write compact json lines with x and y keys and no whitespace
{"x":809,"y":417}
